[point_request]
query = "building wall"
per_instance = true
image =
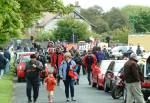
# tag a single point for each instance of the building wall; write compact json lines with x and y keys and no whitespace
{"x":143,"y":40}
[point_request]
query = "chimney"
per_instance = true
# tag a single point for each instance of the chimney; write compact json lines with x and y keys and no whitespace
{"x":77,"y":7}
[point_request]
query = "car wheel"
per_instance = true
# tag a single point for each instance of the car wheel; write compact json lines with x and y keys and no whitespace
{"x":106,"y":88}
{"x":116,"y":92}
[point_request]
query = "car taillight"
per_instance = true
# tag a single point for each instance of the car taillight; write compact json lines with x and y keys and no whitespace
{"x":146,"y":83}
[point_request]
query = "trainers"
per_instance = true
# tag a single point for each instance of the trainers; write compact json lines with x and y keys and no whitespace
{"x":29,"y":101}
{"x":73,"y":99}
{"x":67,"y":100}
{"x":34,"y":101}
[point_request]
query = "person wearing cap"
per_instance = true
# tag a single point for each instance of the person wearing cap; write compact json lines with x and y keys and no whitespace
{"x":67,"y":65}
{"x":133,"y":78}
{"x":32,"y":70}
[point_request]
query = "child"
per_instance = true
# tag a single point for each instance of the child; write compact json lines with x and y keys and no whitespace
{"x":48,"y":68}
{"x":50,"y":84}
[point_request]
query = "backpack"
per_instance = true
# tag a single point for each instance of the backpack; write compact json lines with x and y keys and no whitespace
{"x":89,"y":60}
{"x":78,"y":60}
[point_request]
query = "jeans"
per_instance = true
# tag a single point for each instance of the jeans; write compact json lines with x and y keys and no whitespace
{"x":89,"y":76}
{"x":69,"y":83}
{"x":35,"y":85}
{"x":134,"y":92}
{"x":7,"y":67}
{"x":1,"y":72}
{"x":89,"y":69}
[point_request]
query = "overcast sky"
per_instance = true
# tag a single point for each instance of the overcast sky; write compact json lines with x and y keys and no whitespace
{"x":108,"y":4}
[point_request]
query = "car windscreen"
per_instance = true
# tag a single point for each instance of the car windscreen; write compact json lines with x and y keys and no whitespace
{"x":104,"y":65}
{"x":118,"y":66}
{"x":25,"y":59}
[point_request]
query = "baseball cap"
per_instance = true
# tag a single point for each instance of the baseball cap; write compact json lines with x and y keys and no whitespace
{"x":134,"y":56}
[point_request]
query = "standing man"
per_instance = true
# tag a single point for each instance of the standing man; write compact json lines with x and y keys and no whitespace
{"x":89,"y":60}
{"x":133,"y":77}
{"x":8,"y":57}
{"x":32,"y":70}
{"x":2,"y":65}
{"x":138,"y":51}
{"x":56,"y":59}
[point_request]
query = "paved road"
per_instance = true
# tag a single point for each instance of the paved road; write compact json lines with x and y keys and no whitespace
{"x":84,"y":94}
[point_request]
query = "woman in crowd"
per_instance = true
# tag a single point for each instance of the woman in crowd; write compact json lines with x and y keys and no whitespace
{"x":67,"y":65}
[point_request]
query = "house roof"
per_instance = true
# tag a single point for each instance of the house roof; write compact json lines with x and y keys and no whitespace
{"x":47,"y":17}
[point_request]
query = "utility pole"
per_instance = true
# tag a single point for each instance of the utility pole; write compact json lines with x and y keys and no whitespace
{"x":73,"y":37}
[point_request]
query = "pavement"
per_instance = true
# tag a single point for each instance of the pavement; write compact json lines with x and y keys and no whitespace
{"x":83,"y":94}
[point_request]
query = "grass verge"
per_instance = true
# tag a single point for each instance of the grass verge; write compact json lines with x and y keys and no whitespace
{"x":6,"y":89}
{"x":6,"y":86}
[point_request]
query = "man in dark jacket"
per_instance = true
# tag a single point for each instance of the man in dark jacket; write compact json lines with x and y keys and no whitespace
{"x":133,"y":77}
{"x":32,"y":70}
{"x":2,"y":65}
{"x":8,"y":57}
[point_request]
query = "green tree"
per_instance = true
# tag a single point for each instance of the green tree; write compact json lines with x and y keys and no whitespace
{"x":120,"y":35}
{"x":16,"y":15}
{"x":69,"y":26}
{"x":31,"y":9}
{"x":10,"y":20}
{"x":94,"y":15}
{"x":116,"y":19}
{"x":138,"y":17}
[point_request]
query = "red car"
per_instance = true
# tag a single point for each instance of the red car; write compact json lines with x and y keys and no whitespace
{"x":98,"y":73}
{"x":95,"y":72}
{"x":21,"y":66}
{"x":101,"y":76}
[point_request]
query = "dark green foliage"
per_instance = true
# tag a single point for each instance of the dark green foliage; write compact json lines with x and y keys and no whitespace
{"x":69,"y":26}
{"x":138,"y":18}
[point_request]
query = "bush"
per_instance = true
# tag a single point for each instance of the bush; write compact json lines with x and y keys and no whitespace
{"x":44,"y":36}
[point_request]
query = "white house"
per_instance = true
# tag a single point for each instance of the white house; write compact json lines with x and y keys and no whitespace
{"x":49,"y":20}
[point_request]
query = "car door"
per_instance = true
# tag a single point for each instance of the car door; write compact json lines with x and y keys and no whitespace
{"x":109,"y":74}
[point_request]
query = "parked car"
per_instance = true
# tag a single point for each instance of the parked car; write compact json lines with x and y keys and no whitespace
{"x":101,"y":76}
{"x":24,"y":58}
{"x":20,"y":68}
{"x":111,"y":73}
{"x":18,"y":56}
